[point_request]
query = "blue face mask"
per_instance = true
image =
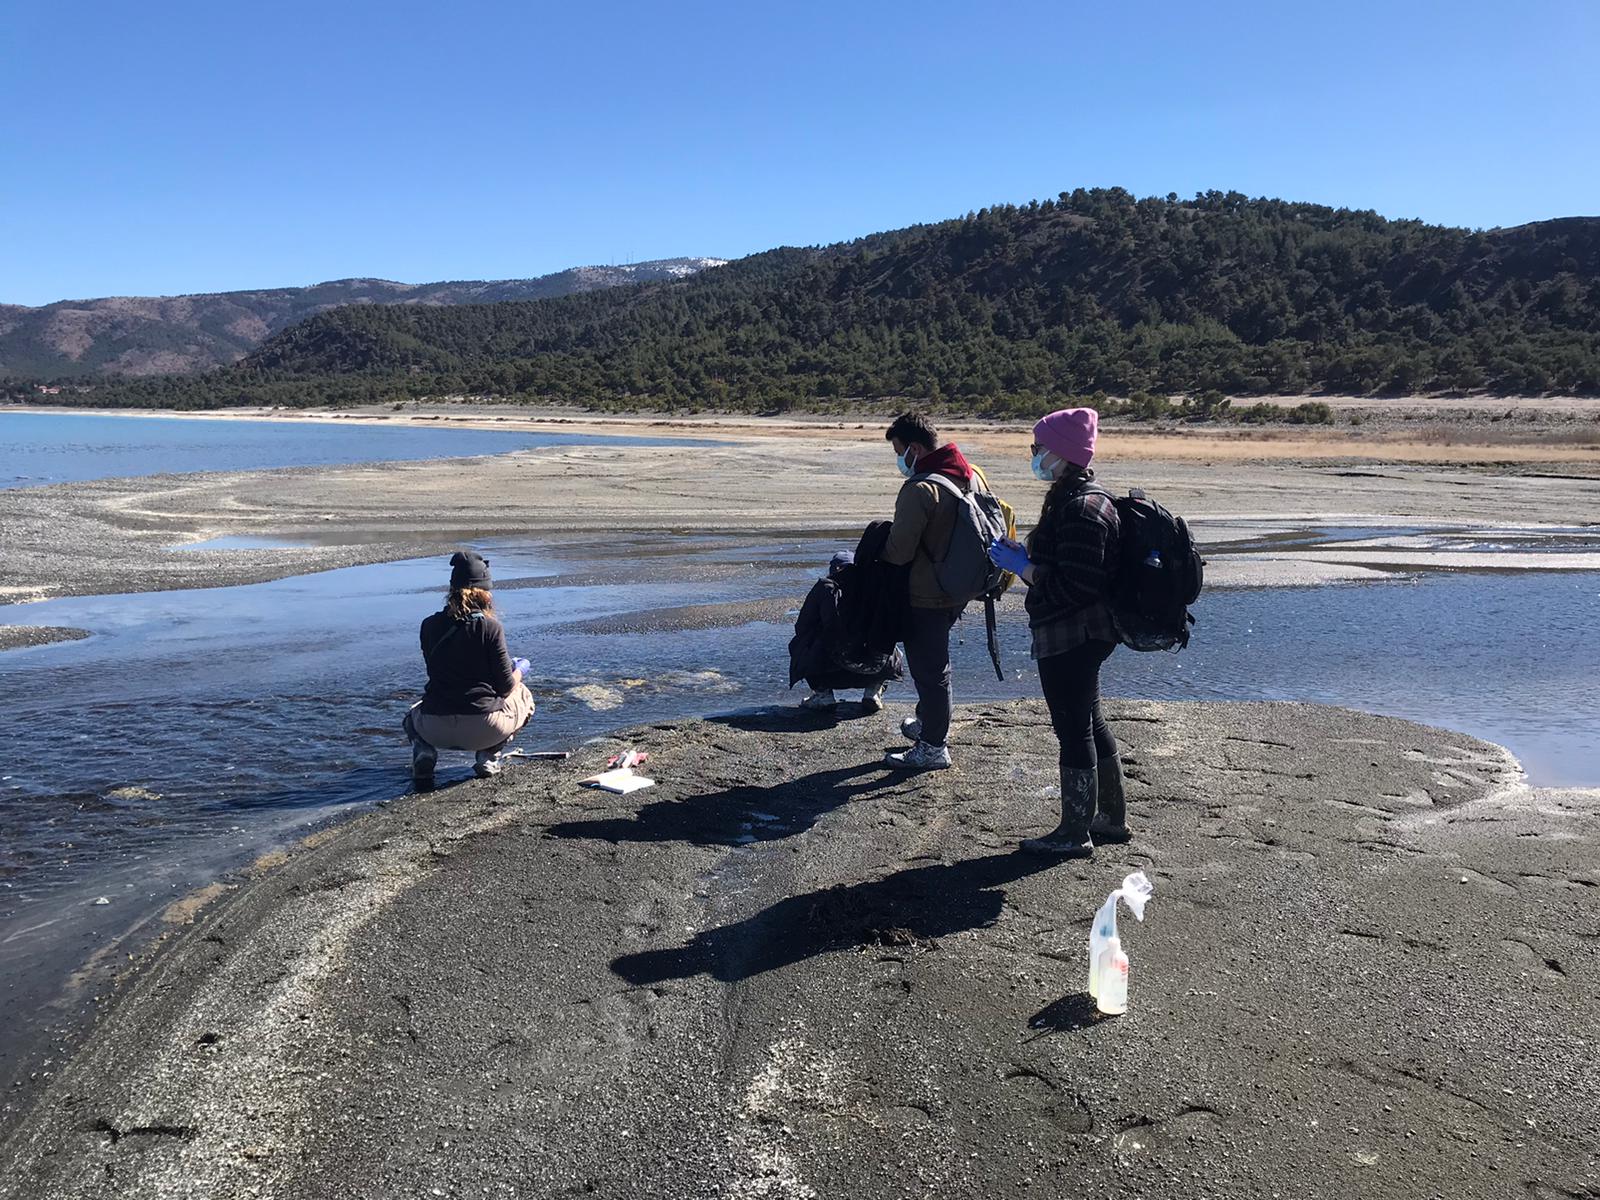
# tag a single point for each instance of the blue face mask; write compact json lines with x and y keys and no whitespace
{"x":904,"y":462}
{"x":1040,"y":471}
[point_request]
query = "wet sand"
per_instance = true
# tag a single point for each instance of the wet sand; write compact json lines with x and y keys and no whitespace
{"x":750,"y":478}
{"x":1369,"y":968}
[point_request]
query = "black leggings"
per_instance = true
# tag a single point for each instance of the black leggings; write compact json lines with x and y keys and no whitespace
{"x":1071,"y":684}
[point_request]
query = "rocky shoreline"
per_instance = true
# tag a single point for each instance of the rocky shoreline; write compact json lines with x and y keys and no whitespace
{"x":1370,"y":968}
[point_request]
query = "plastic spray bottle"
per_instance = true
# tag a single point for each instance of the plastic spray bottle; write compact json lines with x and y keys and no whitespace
{"x":1108,"y":965}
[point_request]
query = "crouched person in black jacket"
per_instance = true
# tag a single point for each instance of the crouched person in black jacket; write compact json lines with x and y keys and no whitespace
{"x":475,"y":699}
{"x":828,"y":654}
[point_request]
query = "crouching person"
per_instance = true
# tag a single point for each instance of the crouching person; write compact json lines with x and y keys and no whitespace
{"x":475,"y":699}
{"x":825,"y":653}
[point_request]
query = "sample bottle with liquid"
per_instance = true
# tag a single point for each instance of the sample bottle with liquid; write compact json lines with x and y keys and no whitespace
{"x":1113,"y":997}
{"x":1108,"y":965}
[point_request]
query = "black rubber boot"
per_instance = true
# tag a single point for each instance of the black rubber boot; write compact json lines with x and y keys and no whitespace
{"x":1070,"y":839}
{"x":1110,"y":824}
{"x":423,"y":757}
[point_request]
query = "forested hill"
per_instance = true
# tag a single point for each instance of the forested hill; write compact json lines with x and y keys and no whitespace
{"x":1096,"y":290}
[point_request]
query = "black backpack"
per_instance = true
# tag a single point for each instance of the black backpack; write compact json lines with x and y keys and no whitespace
{"x":1159,"y":574}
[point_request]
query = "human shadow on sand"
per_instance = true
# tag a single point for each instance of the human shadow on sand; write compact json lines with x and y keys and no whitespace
{"x":739,"y":815}
{"x":911,"y":906}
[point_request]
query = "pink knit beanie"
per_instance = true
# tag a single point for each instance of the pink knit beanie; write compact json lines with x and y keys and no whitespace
{"x":1069,"y":433}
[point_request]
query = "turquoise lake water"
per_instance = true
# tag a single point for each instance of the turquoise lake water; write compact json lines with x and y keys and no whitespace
{"x":44,"y":448}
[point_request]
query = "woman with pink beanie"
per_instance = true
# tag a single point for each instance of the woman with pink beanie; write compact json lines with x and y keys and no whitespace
{"x":1068,"y":564}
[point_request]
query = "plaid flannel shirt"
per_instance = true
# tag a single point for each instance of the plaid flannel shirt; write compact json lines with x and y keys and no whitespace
{"x":1074,"y":555}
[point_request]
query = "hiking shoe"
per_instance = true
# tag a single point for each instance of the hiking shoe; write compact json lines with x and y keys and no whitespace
{"x":872,"y":698}
{"x":921,"y":757}
{"x":822,"y":701}
{"x":911,"y":729}
{"x":486,"y":764}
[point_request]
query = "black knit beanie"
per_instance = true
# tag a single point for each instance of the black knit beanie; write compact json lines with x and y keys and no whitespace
{"x":468,"y":569}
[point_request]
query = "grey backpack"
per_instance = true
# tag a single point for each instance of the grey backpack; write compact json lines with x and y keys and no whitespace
{"x":966,"y":572}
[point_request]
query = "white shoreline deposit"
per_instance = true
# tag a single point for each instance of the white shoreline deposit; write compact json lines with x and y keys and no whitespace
{"x":1302,"y":559}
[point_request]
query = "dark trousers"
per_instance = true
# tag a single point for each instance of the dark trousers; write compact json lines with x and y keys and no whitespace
{"x":1071,"y":684}
{"x":928,"y":657}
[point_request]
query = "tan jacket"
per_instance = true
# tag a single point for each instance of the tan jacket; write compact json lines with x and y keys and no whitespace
{"x":924,"y":520}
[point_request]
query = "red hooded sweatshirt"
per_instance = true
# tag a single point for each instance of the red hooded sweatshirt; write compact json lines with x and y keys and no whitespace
{"x":946,"y":460}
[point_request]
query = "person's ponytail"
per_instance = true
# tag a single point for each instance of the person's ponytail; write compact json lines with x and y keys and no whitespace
{"x":466,"y":602}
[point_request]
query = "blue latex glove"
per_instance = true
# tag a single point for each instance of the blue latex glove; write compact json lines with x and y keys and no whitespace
{"x":1008,"y":555}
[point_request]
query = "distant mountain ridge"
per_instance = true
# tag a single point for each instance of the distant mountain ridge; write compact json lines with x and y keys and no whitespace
{"x":178,"y":335}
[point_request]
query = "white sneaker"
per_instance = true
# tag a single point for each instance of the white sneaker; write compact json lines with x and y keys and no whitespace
{"x":822,"y":701}
{"x":921,"y":757}
{"x":486,"y":764}
{"x":872,"y":698}
{"x":911,"y":729}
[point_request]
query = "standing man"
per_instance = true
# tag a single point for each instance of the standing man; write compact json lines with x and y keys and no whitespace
{"x":924,"y":521}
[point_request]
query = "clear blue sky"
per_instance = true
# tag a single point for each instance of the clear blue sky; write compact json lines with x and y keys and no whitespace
{"x":183,"y":146}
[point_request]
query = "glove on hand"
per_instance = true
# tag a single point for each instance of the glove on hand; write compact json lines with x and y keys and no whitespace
{"x":1008,"y":555}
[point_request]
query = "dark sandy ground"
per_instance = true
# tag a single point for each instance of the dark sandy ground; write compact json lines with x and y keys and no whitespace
{"x":1371,"y":968}
{"x":18,"y":637}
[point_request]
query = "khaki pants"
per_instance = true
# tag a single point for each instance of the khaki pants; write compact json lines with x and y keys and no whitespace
{"x":474,"y":731}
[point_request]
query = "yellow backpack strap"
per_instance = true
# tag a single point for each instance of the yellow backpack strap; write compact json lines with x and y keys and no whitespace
{"x":1011,"y":518}
{"x":1010,"y":513}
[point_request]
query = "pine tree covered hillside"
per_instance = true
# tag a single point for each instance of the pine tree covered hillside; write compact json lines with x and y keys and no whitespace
{"x":1011,"y":305}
